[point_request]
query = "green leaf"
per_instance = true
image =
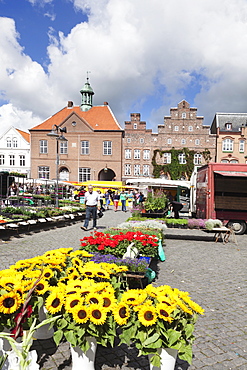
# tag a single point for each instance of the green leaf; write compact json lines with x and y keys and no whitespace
{"x":173,"y":336}
{"x":57,"y":336}
{"x":151,"y":339}
{"x":62,"y":323}
{"x":70,"y":336}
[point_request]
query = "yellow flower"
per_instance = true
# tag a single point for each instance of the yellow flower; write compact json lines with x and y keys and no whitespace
{"x":108,"y":300}
{"x":54,"y":302}
{"x":47,"y":273}
{"x":164,"y":311}
{"x":76,"y":262}
{"x":152,"y":291}
{"x":101,"y":273}
{"x":81,"y":253}
{"x":134,"y":296}
{"x":95,"y":298}
{"x":80,"y":314}
{"x":72,"y":301}
{"x":42,"y":287}
{"x":121,"y":313}
{"x":10,"y":302}
{"x":195,"y":307}
{"x":147,"y":315}
{"x":97,"y":314}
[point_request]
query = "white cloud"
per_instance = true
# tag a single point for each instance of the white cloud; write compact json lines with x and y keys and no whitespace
{"x":135,"y":48}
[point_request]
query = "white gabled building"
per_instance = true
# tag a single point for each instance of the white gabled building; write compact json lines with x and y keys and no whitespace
{"x":15,"y":151}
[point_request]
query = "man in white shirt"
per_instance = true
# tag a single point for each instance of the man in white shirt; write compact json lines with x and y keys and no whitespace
{"x":92,"y":203}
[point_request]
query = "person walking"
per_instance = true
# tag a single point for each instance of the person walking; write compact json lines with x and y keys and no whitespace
{"x":116,"y":198}
{"x":123,"y":198}
{"x":92,"y":203}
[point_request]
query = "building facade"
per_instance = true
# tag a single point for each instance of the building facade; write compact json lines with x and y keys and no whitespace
{"x":15,"y":151}
{"x":181,"y":136}
{"x":231,"y":135}
{"x":92,"y":149}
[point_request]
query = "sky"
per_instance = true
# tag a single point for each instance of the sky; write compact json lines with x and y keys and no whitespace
{"x":143,"y":56}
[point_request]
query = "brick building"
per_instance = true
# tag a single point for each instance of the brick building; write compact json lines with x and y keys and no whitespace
{"x":92,"y":149}
{"x":231,"y":135}
{"x":182,"y":129}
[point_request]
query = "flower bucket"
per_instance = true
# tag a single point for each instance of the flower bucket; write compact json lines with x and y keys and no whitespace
{"x":13,"y":361}
{"x":168,"y":359}
{"x":44,"y":332}
{"x":81,"y":360}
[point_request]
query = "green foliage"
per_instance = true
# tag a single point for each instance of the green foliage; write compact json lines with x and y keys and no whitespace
{"x":157,"y":201}
{"x":175,"y":169}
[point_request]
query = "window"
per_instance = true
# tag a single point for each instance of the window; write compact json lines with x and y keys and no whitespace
{"x":43,"y":146}
{"x":146,"y":154}
{"x":241,"y":146}
{"x":137,"y":154}
{"x":197,"y":142}
{"x":44,"y":172}
{"x":84,"y":147}
{"x":84,"y":174}
{"x":227,"y":145}
{"x":11,"y":160}
{"x":22,"y":160}
{"x":167,"y":158}
{"x":127,"y":169}
{"x":15,"y":142}
{"x":190,"y":128}
{"x":181,"y":158}
{"x":107,"y":147}
{"x":128,"y":140}
{"x":183,"y":142}
{"x":135,"y":126}
{"x":137,"y":170}
{"x":8,"y":142}
{"x":233,"y":161}
{"x":176,"y":128}
{"x":64,"y":147}
{"x":197,"y":159}
{"x":141,"y":140}
{"x":169,"y":141}
{"x":183,"y":115}
{"x":224,"y":161}
{"x":145,"y":170}
{"x":1,"y":159}
{"x":127,"y":153}
{"x":228,"y":126}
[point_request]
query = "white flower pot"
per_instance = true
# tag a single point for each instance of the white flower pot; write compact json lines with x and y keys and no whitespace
{"x":168,"y":359}
{"x":13,"y":361}
{"x":81,"y":360}
{"x":43,"y":332}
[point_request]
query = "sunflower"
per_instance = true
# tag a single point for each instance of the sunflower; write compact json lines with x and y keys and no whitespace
{"x":72,"y":301}
{"x":10,"y":302}
{"x":164,"y":311}
{"x":183,"y":306}
{"x":42,"y":287}
{"x":108,"y":300}
{"x":152,"y":291}
{"x":47,"y":273}
{"x":121,"y":313}
{"x":87,"y":272}
{"x":103,"y":274}
{"x":54,"y":302}
{"x":193,"y":305}
{"x":94,"y":298}
{"x":147,"y":315}
{"x":80,"y":314}
{"x":97,"y":314}
{"x":134,"y":296}
{"x":76,"y":262}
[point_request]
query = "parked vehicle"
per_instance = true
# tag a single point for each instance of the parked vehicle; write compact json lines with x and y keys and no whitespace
{"x":221,"y":193}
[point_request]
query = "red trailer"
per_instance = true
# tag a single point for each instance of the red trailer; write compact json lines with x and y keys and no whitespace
{"x":221,"y":193}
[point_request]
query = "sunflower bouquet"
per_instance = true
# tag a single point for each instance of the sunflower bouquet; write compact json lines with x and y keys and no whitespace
{"x":157,"y":317}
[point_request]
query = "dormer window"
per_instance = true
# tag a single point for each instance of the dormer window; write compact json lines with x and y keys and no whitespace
{"x":183,"y":115}
{"x":228,"y":126}
{"x":135,"y":126}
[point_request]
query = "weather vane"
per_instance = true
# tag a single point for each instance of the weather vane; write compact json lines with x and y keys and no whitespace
{"x":87,"y":75}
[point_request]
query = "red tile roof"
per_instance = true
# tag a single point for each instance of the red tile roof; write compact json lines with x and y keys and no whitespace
{"x":25,"y":135}
{"x":98,"y":117}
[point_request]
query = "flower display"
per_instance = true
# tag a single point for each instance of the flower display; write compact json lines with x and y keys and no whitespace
{"x":117,"y":244}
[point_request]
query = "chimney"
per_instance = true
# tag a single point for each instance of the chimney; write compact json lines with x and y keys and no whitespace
{"x":105,"y":103}
{"x":70,"y":104}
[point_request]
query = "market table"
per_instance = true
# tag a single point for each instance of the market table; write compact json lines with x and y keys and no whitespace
{"x":222,"y":233}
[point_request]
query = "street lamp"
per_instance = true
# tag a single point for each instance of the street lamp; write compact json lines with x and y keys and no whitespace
{"x":59,"y":138}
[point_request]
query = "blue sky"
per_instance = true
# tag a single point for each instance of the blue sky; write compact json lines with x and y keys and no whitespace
{"x":144,"y":56}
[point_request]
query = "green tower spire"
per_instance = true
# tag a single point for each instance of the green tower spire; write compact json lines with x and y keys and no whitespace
{"x":87,"y":96}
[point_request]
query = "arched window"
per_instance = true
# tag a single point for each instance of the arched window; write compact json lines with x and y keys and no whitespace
{"x":8,"y":142}
{"x":15,"y":142}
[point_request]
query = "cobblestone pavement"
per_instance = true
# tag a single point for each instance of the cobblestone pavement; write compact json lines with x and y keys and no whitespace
{"x":213,"y":273}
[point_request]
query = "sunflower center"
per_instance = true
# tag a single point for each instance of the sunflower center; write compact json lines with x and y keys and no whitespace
{"x":148,"y":315}
{"x":96,"y":314}
{"x":82,"y":314}
{"x":84,"y":293}
{"x":107,"y":302}
{"x":122,"y":312}
{"x":164,"y":313}
{"x":72,"y":292}
{"x":47,"y":274}
{"x":94,"y":300}
{"x":89,"y":273}
{"x":74,"y":303}
{"x":131,"y":299}
{"x":40,"y":286}
{"x":56,"y":302}
{"x":8,"y":302}
{"x":101,"y":274}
